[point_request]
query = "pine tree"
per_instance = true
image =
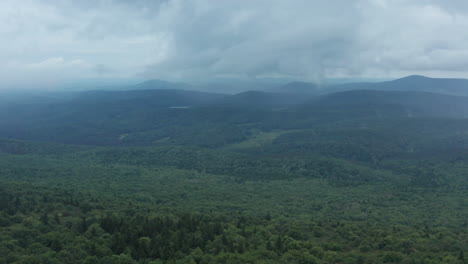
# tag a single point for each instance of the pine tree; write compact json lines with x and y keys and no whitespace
{"x":45,"y":218}
{"x":461,"y":257}
{"x":279,"y":245}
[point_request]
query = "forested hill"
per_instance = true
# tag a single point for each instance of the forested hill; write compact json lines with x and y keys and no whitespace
{"x":410,"y":103}
{"x":302,"y":88}
{"x":151,"y":116}
{"x":176,"y":176}
{"x":257,"y":99}
{"x":415,"y":83}
{"x":412,"y":83}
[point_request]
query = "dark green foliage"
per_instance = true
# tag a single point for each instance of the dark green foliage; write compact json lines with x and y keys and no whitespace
{"x":125,"y":234}
{"x":124,"y":206}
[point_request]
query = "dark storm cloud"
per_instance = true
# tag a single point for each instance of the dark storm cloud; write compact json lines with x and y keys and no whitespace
{"x":256,"y":38}
{"x":202,"y":39}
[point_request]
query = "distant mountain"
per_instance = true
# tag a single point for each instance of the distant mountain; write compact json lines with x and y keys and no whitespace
{"x":154,"y":98}
{"x":233,"y":87}
{"x":411,"y":83}
{"x":100,"y":117}
{"x":147,"y":116}
{"x":262,"y":99}
{"x":161,"y":85}
{"x":392,"y":103}
{"x":297,"y":88}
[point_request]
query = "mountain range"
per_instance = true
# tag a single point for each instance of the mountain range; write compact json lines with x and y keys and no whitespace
{"x":409,"y":83}
{"x":155,"y":110}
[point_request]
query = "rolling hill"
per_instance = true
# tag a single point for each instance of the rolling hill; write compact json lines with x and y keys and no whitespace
{"x":306,"y":88}
{"x":257,"y":99}
{"x":407,"y":103}
{"x":412,"y":83}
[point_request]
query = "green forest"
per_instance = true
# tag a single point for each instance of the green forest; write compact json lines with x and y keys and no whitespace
{"x":121,"y":177}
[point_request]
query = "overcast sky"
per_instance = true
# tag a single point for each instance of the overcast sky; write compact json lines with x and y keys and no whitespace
{"x":46,"y":41}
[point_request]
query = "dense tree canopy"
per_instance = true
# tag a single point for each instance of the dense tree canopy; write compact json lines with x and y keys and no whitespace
{"x":233,"y":182}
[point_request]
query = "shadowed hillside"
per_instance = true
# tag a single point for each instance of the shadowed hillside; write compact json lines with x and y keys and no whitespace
{"x":413,"y":83}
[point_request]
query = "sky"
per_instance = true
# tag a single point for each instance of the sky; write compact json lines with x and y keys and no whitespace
{"x":46,"y":42}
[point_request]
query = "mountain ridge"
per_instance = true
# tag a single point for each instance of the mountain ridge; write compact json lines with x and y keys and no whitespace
{"x":451,"y":86}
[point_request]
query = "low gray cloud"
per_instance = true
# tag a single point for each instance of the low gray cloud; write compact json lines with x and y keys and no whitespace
{"x":204,"y":39}
{"x":256,"y":38}
{"x":102,"y":69}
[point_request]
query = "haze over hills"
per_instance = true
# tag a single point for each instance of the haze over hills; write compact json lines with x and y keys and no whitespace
{"x":161,"y":84}
{"x":297,"y":87}
{"x":413,"y":83}
{"x":147,"y":115}
{"x":261,"y":99}
{"x":410,"y":103}
{"x":409,"y":83}
{"x":225,"y":85}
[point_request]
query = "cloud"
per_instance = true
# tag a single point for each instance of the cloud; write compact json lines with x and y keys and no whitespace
{"x":315,"y":39}
{"x":203,"y":39}
{"x":255,"y":38}
{"x":56,"y":63}
{"x":404,"y":37}
{"x":102,"y":69}
{"x":64,"y":39}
